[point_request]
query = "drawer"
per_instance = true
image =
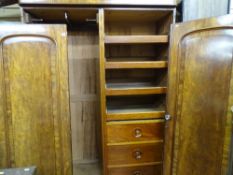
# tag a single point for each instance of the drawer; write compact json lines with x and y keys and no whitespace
{"x":135,"y":153}
{"x":137,"y":170}
{"x":133,"y":131}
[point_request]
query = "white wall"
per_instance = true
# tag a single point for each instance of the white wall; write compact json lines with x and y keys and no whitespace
{"x":231,"y":11}
{"x":198,"y":9}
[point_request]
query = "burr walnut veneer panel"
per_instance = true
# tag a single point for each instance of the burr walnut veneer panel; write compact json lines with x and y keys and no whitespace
{"x":200,"y":98}
{"x":34,"y":110}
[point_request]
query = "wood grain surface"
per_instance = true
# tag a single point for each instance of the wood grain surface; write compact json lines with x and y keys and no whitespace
{"x":134,"y":154}
{"x":101,"y":2}
{"x":200,"y":98}
{"x":83,"y":58}
{"x":135,"y":131}
{"x":35,"y":98}
{"x":137,"y":170}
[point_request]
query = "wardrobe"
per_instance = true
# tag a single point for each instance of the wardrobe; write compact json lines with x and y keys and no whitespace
{"x":119,"y":81}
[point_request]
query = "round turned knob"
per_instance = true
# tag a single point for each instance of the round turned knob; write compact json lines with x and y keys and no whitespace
{"x":138,"y":155}
{"x":137,"y":173}
{"x":138,"y":133}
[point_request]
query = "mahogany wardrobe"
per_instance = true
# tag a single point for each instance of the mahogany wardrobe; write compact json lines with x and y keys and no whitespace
{"x":165,"y":88}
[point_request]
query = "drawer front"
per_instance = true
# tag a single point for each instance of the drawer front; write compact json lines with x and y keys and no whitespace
{"x":139,"y":170}
{"x":133,"y":154}
{"x":118,"y":132}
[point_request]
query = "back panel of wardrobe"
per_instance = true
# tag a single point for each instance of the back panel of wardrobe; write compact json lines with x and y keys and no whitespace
{"x":83,"y":57}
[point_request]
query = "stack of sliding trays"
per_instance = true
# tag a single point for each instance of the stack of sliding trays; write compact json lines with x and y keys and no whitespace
{"x":134,"y":46}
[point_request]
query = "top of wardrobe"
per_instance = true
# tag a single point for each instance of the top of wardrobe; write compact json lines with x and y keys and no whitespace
{"x":99,"y":2}
{"x":73,"y":12}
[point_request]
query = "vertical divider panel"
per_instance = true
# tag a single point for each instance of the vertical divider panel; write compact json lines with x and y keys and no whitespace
{"x":102,"y":86}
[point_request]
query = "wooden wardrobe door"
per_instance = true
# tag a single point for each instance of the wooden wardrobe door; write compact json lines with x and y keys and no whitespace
{"x":34,"y":102}
{"x":200,"y":97}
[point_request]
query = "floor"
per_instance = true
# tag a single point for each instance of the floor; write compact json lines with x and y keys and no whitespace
{"x":87,"y":169}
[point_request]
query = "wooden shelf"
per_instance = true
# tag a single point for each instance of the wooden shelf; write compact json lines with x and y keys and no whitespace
{"x":135,"y":91}
{"x":133,"y":109}
{"x":136,"y":39}
{"x":135,"y":143}
{"x":135,"y":113}
{"x":135,"y":64}
{"x":135,"y":165}
{"x":132,"y":84}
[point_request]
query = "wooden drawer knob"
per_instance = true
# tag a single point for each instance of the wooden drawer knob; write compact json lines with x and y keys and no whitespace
{"x":137,"y":173}
{"x":138,"y":155}
{"x":138,"y":133}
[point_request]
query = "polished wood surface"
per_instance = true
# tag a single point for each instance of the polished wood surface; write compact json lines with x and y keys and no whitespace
{"x":34,"y":98}
{"x":137,"y":170}
{"x":135,"y":39}
{"x":200,"y":98}
{"x":140,"y":114}
{"x":4,"y":131}
{"x":134,"y":131}
{"x":135,"y":64}
{"x":102,"y":79}
{"x":135,"y":91}
{"x":134,"y":154}
{"x":101,"y":2}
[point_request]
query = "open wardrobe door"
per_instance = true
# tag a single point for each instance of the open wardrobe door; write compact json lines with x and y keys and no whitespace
{"x":200,"y":97}
{"x":34,"y":100}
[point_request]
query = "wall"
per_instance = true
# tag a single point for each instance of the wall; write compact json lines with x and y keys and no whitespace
{"x":196,"y":9}
{"x":231,"y":6}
